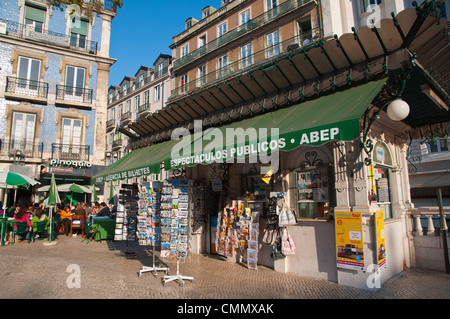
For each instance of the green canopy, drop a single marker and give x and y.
(328, 118)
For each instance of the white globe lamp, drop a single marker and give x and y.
(398, 110)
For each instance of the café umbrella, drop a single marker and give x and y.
(13, 179)
(53, 200)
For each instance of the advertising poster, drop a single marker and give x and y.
(381, 244)
(349, 240)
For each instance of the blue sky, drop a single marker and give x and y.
(143, 29)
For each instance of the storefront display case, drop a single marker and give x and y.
(314, 186)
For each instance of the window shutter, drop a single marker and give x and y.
(79, 27)
(35, 14)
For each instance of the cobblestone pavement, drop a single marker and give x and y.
(35, 270)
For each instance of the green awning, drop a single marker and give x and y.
(329, 118)
(140, 162)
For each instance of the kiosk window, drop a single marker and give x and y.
(381, 178)
(313, 193)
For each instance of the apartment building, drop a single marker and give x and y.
(314, 83)
(54, 69)
(135, 98)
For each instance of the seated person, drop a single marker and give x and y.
(40, 217)
(66, 219)
(104, 211)
(21, 215)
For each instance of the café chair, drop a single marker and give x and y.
(90, 232)
(40, 230)
(21, 229)
(77, 223)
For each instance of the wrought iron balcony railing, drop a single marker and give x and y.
(28, 32)
(24, 87)
(117, 144)
(15, 149)
(248, 62)
(71, 152)
(74, 94)
(250, 25)
(110, 123)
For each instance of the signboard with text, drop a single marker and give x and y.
(381, 242)
(349, 240)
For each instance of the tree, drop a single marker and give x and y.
(86, 7)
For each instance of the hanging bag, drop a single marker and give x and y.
(272, 216)
(270, 235)
(286, 216)
(287, 243)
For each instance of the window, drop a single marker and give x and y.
(202, 74)
(125, 88)
(71, 135)
(146, 97)
(222, 29)
(141, 79)
(380, 178)
(273, 44)
(246, 55)
(271, 4)
(183, 83)
(34, 18)
(23, 129)
(157, 95)
(202, 41)
(244, 17)
(367, 4)
(439, 145)
(120, 110)
(160, 69)
(313, 193)
(221, 66)
(78, 32)
(29, 73)
(137, 102)
(305, 31)
(75, 80)
(128, 106)
(112, 114)
(184, 50)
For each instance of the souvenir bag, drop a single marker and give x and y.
(286, 216)
(287, 243)
(272, 216)
(270, 235)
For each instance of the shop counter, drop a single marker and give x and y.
(105, 227)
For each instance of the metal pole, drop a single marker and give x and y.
(443, 230)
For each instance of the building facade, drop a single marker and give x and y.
(311, 82)
(54, 71)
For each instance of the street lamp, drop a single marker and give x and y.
(398, 110)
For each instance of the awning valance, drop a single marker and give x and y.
(328, 118)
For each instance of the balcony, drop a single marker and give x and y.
(125, 118)
(110, 124)
(117, 145)
(22, 31)
(143, 109)
(250, 62)
(23, 89)
(18, 149)
(68, 152)
(241, 30)
(73, 96)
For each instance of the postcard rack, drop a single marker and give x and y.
(175, 226)
(149, 218)
(126, 219)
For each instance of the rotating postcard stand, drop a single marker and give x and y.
(175, 226)
(149, 222)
